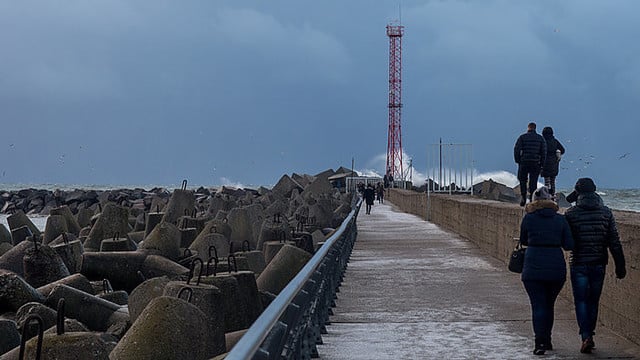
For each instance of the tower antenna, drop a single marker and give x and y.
(394, 141)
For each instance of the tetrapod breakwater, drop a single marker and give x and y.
(134, 273)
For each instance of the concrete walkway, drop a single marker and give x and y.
(414, 291)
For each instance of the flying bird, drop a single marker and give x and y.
(624, 156)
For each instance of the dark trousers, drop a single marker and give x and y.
(587, 281)
(542, 295)
(528, 172)
(550, 183)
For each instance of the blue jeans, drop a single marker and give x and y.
(542, 295)
(587, 281)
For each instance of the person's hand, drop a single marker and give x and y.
(621, 272)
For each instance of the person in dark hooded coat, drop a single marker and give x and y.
(594, 230)
(551, 165)
(545, 233)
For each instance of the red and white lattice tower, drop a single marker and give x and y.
(394, 144)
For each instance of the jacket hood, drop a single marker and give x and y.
(542, 205)
(590, 200)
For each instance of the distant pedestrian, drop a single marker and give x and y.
(380, 193)
(550, 169)
(385, 180)
(594, 231)
(529, 153)
(369, 195)
(545, 233)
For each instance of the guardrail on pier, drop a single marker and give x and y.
(291, 326)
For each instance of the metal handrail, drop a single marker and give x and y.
(249, 345)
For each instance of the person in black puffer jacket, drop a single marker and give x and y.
(594, 230)
(546, 233)
(529, 153)
(552, 163)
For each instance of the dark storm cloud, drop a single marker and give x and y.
(156, 91)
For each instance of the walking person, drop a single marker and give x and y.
(369, 196)
(594, 230)
(380, 193)
(529, 153)
(555, 150)
(545, 233)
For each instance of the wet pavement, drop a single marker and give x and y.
(415, 291)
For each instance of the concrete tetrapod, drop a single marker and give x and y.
(19, 219)
(235, 315)
(71, 254)
(72, 224)
(254, 258)
(182, 202)
(209, 299)
(67, 346)
(168, 328)
(5, 235)
(153, 219)
(4, 247)
(77, 281)
(204, 242)
(47, 314)
(20, 234)
(56, 226)
(15, 292)
(165, 239)
(12, 259)
(270, 249)
(123, 268)
(96, 313)
(249, 294)
(284, 267)
(113, 219)
(9, 335)
(43, 265)
(142, 295)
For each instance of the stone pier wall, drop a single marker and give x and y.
(492, 226)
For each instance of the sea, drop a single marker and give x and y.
(616, 199)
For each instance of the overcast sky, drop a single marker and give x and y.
(153, 92)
